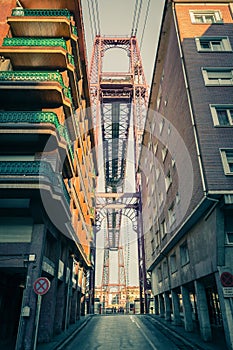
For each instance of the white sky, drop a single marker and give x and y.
(116, 19)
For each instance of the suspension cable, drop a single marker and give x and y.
(137, 22)
(145, 21)
(93, 15)
(97, 15)
(134, 16)
(91, 23)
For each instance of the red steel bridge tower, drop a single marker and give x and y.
(119, 100)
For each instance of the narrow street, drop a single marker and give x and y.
(114, 332)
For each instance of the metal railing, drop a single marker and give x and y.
(34, 42)
(41, 12)
(37, 117)
(74, 30)
(33, 76)
(34, 168)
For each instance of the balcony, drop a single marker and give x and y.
(39, 182)
(39, 22)
(32, 171)
(12, 121)
(36, 90)
(41, 53)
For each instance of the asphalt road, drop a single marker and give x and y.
(121, 332)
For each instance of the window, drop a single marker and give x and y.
(168, 180)
(177, 198)
(163, 229)
(205, 17)
(173, 263)
(156, 239)
(227, 161)
(155, 147)
(171, 215)
(160, 198)
(218, 76)
(222, 115)
(159, 97)
(157, 172)
(161, 125)
(184, 254)
(169, 129)
(164, 152)
(229, 238)
(213, 44)
(165, 269)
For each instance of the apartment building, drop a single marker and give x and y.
(47, 172)
(186, 167)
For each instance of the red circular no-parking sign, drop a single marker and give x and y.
(226, 279)
(41, 285)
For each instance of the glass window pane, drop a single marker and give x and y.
(199, 19)
(205, 44)
(230, 237)
(219, 74)
(216, 45)
(209, 18)
(222, 117)
(229, 155)
(231, 113)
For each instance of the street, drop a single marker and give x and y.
(118, 332)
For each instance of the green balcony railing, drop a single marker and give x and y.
(37, 117)
(35, 76)
(41, 12)
(29, 117)
(22, 41)
(71, 59)
(34, 168)
(74, 30)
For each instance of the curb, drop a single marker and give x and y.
(63, 343)
(174, 334)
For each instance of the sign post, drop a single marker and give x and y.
(40, 287)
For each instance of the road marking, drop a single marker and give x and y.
(143, 333)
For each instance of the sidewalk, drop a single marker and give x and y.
(190, 339)
(61, 339)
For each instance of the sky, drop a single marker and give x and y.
(115, 18)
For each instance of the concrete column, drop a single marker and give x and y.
(167, 307)
(156, 304)
(176, 308)
(226, 305)
(161, 306)
(26, 330)
(202, 310)
(188, 321)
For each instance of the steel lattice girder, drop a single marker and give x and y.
(115, 128)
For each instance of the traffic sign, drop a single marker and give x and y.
(228, 292)
(41, 285)
(226, 279)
